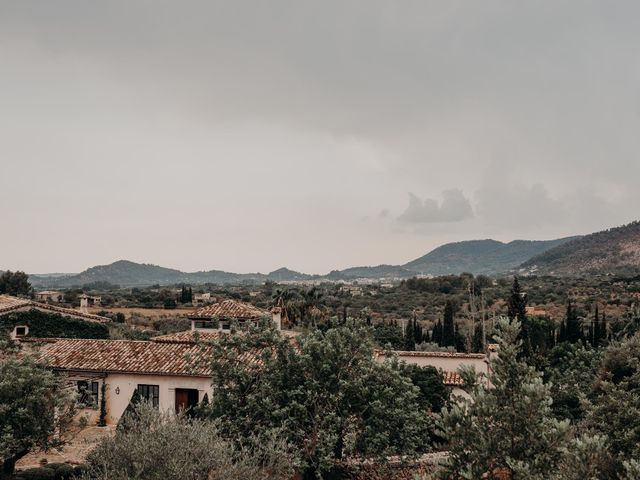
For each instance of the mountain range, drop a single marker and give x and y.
(607, 251)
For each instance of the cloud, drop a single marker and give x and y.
(453, 208)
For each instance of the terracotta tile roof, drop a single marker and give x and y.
(231, 309)
(9, 304)
(402, 353)
(189, 336)
(452, 379)
(127, 356)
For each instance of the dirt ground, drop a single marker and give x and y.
(74, 452)
(154, 313)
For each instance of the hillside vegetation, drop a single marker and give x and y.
(480, 256)
(607, 251)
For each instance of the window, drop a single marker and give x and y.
(21, 331)
(88, 392)
(150, 393)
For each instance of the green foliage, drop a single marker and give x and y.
(165, 446)
(47, 325)
(102, 421)
(130, 414)
(517, 303)
(434, 395)
(32, 406)
(39, 473)
(582, 459)
(14, 283)
(327, 392)
(123, 331)
(388, 333)
(615, 403)
(448, 327)
(509, 426)
(571, 372)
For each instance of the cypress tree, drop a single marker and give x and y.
(131, 412)
(517, 304)
(448, 327)
(409, 338)
(573, 329)
(436, 336)
(562, 337)
(603, 329)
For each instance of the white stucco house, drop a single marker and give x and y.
(172, 372)
(447, 363)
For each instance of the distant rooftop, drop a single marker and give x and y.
(10, 304)
(231, 309)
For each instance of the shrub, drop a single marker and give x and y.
(43, 325)
(165, 446)
(40, 473)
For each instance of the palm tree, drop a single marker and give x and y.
(284, 299)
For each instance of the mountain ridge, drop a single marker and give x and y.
(606, 251)
(475, 256)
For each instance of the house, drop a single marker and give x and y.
(353, 290)
(87, 301)
(49, 296)
(170, 375)
(221, 315)
(447, 363)
(202, 298)
(9, 304)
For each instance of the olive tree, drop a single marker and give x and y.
(165, 446)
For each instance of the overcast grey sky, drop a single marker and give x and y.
(250, 135)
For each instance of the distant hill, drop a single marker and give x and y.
(286, 275)
(380, 271)
(480, 256)
(607, 251)
(476, 256)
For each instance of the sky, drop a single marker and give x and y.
(247, 136)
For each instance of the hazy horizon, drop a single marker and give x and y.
(246, 136)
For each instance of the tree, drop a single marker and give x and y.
(15, 283)
(436, 337)
(573, 326)
(33, 406)
(448, 327)
(326, 389)
(517, 304)
(130, 413)
(388, 334)
(508, 427)
(614, 410)
(434, 395)
(165, 446)
(409, 337)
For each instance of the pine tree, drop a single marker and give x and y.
(448, 327)
(507, 430)
(190, 296)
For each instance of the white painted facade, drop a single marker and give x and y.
(120, 388)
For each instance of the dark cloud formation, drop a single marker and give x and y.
(453, 208)
(135, 128)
